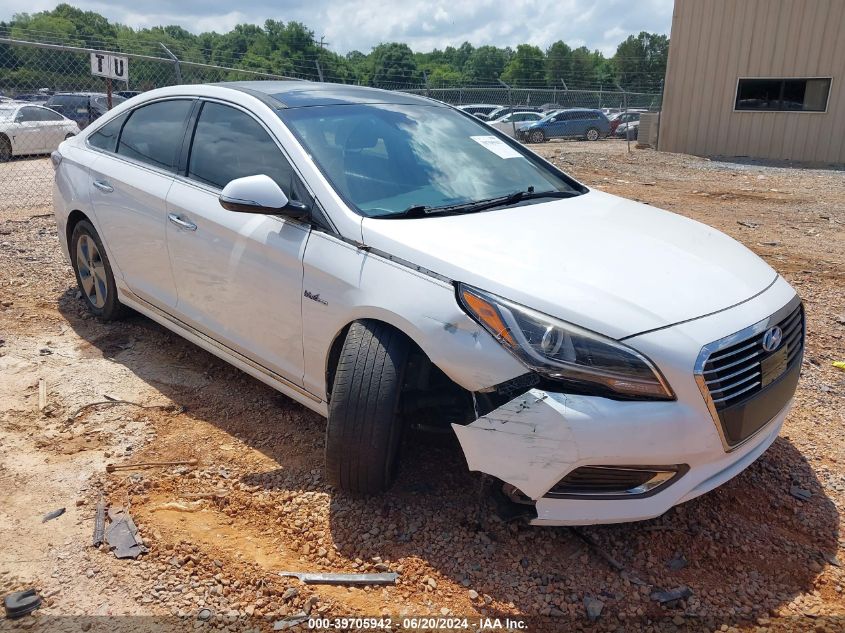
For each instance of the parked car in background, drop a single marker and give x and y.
(628, 130)
(128, 94)
(503, 110)
(624, 117)
(514, 121)
(591, 125)
(26, 128)
(480, 110)
(82, 107)
(390, 262)
(35, 97)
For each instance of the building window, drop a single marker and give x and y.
(782, 95)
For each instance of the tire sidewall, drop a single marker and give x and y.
(592, 130)
(5, 150)
(537, 136)
(112, 307)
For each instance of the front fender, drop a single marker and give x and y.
(342, 283)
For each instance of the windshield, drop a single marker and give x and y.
(384, 159)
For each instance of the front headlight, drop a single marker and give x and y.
(563, 352)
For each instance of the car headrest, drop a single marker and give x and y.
(363, 136)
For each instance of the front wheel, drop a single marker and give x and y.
(537, 136)
(592, 134)
(365, 428)
(94, 273)
(5, 150)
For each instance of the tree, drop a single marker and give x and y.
(558, 63)
(525, 68)
(486, 64)
(394, 66)
(641, 61)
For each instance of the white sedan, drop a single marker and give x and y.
(514, 121)
(390, 262)
(31, 129)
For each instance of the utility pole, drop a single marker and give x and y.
(321, 44)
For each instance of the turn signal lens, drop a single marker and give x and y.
(489, 315)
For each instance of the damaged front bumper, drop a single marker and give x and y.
(537, 439)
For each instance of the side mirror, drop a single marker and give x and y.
(260, 194)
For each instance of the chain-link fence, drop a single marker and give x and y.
(48, 92)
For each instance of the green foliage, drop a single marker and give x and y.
(526, 67)
(394, 66)
(641, 60)
(289, 48)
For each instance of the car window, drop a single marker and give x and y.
(49, 115)
(103, 102)
(153, 133)
(73, 104)
(385, 158)
(28, 114)
(248, 149)
(106, 137)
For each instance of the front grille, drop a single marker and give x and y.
(738, 372)
(734, 373)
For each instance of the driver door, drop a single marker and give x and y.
(238, 275)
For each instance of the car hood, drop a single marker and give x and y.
(602, 262)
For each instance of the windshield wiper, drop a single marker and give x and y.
(423, 211)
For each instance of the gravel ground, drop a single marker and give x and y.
(753, 556)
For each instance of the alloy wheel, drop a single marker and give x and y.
(92, 271)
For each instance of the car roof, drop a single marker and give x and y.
(78, 94)
(299, 94)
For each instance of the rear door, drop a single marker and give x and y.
(558, 126)
(238, 275)
(129, 184)
(52, 128)
(28, 136)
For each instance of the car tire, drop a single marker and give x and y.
(592, 134)
(5, 149)
(537, 136)
(94, 274)
(365, 426)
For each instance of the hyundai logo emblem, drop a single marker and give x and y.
(772, 338)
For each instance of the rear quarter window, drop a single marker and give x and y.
(106, 137)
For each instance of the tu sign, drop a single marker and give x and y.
(110, 66)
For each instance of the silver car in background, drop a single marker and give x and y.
(510, 123)
(31, 129)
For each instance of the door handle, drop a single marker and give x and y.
(182, 224)
(102, 185)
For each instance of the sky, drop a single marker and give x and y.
(422, 24)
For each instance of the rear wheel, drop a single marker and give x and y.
(537, 136)
(5, 150)
(592, 134)
(94, 273)
(365, 428)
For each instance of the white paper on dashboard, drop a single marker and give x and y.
(497, 146)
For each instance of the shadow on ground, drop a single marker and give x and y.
(744, 550)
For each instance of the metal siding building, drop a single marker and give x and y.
(717, 43)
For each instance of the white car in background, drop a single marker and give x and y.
(27, 129)
(509, 123)
(389, 261)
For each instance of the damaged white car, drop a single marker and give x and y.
(390, 261)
